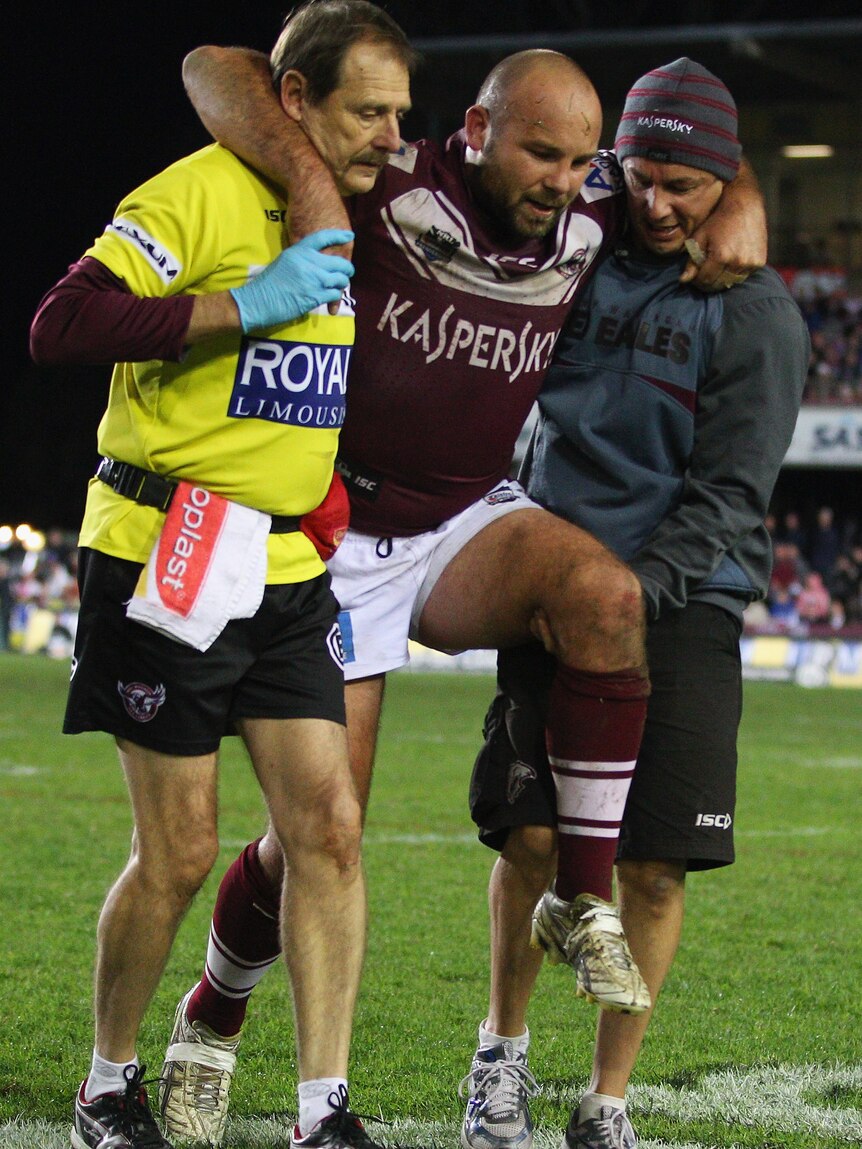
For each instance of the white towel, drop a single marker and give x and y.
(208, 565)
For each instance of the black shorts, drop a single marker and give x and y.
(682, 800)
(137, 684)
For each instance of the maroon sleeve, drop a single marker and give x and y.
(91, 317)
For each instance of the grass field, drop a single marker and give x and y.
(758, 1037)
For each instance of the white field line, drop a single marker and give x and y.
(248, 1133)
(21, 770)
(375, 838)
(774, 1099)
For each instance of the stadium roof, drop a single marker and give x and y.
(763, 62)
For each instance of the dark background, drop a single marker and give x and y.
(94, 104)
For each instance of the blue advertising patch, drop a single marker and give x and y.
(345, 624)
(300, 384)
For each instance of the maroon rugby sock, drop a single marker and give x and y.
(244, 942)
(595, 726)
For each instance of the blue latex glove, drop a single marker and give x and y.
(299, 279)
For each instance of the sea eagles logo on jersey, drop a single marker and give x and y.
(299, 384)
(575, 266)
(434, 234)
(437, 244)
(166, 266)
(141, 701)
(520, 774)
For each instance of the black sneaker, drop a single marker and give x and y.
(341, 1130)
(117, 1120)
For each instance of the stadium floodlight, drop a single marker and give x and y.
(34, 541)
(807, 151)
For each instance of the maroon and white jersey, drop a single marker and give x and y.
(454, 334)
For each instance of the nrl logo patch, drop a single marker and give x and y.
(520, 774)
(437, 245)
(504, 495)
(141, 701)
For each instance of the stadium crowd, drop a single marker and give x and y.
(816, 586)
(835, 373)
(39, 596)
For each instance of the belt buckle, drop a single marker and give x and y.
(128, 481)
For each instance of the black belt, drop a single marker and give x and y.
(151, 490)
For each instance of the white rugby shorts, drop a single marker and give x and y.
(382, 584)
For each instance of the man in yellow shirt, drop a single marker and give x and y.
(222, 423)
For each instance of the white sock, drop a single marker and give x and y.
(487, 1039)
(592, 1103)
(107, 1076)
(314, 1101)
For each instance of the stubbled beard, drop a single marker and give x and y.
(505, 219)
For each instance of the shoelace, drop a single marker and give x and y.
(611, 939)
(207, 1087)
(345, 1125)
(613, 1128)
(604, 916)
(135, 1116)
(513, 1080)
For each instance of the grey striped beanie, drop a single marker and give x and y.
(681, 114)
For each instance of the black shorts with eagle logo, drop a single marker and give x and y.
(138, 684)
(682, 800)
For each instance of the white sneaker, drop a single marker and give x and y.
(611, 1130)
(498, 1086)
(587, 935)
(195, 1082)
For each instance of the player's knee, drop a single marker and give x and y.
(655, 886)
(342, 839)
(532, 851)
(178, 867)
(617, 601)
(330, 831)
(599, 609)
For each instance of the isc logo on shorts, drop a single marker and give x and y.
(720, 821)
(300, 384)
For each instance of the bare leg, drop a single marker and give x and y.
(530, 573)
(316, 919)
(174, 846)
(364, 701)
(652, 904)
(520, 876)
(303, 769)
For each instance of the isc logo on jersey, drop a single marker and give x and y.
(299, 384)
